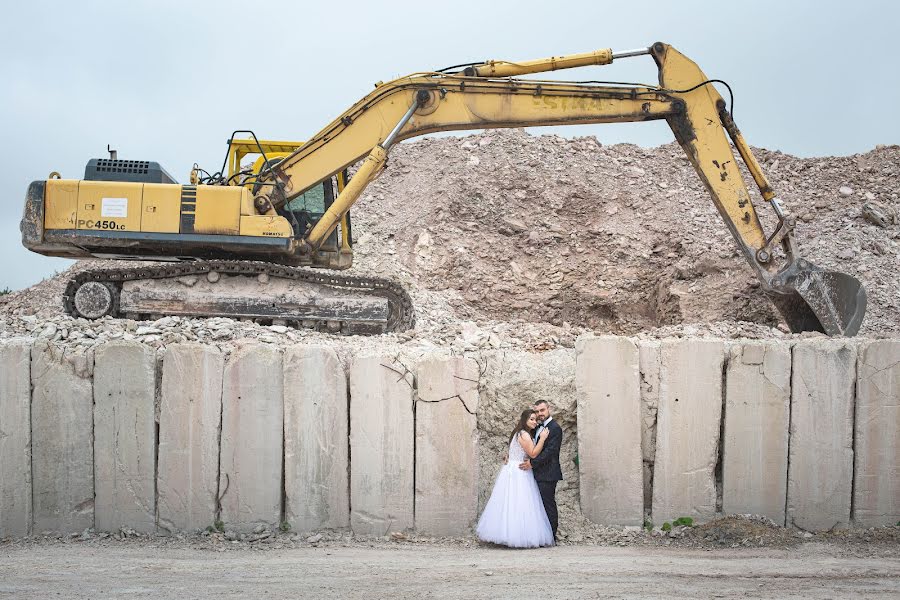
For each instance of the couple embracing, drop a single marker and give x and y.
(521, 512)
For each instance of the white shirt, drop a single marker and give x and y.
(542, 427)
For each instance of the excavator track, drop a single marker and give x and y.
(249, 290)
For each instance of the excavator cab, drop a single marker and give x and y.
(303, 211)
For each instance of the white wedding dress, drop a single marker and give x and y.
(514, 515)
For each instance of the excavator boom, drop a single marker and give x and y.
(485, 96)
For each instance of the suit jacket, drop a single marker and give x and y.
(546, 464)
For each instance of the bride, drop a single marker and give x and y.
(514, 515)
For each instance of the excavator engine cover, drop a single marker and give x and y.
(112, 169)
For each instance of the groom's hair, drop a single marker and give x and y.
(539, 402)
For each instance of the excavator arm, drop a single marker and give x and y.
(488, 95)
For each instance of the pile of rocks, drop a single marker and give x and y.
(619, 239)
(733, 531)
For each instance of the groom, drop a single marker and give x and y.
(547, 471)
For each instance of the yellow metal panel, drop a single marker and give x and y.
(266, 226)
(463, 103)
(218, 210)
(109, 205)
(503, 68)
(161, 212)
(60, 203)
(241, 148)
(710, 151)
(247, 207)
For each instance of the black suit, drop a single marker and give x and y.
(547, 471)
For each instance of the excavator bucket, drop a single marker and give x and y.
(813, 299)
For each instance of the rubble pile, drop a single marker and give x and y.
(618, 238)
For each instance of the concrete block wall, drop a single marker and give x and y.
(757, 413)
(381, 445)
(316, 430)
(15, 438)
(609, 426)
(804, 432)
(876, 490)
(190, 422)
(252, 437)
(446, 454)
(820, 462)
(125, 437)
(62, 448)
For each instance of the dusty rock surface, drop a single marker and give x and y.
(732, 531)
(719, 560)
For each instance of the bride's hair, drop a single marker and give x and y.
(522, 425)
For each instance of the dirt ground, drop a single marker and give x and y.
(813, 570)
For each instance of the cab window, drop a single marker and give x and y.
(311, 201)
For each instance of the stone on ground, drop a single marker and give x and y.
(15, 438)
(125, 437)
(190, 413)
(755, 448)
(821, 448)
(687, 433)
(876, 491)
(62, 407)
(381, 445)
(609, 430)
(446, 446)
(316, 460)
(251, 445)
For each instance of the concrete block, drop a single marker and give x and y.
(446, 458)
(125, 437)
(687, 432)
(62, 407)
(316, 439)
(648, 355)
(876, 491)
(252, 430)
(821, 447)
(189, 421)
(757, 413)
(609, 430)
(381, 445)
(15, 438)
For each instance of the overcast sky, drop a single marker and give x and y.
(170, 80)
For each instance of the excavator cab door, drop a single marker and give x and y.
(305, 210)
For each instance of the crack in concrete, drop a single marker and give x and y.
(876, 370)
(454, 396)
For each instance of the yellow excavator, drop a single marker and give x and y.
(263, 243)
